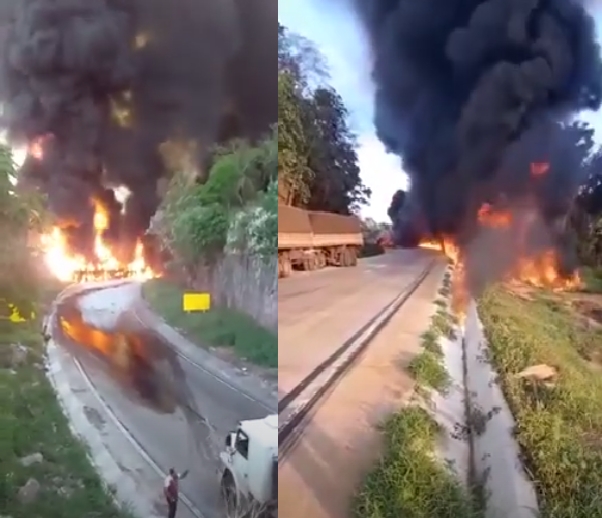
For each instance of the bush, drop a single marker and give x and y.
(256, 228)
(240, 194)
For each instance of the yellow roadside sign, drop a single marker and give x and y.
(196, 302)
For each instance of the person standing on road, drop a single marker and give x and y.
(171, 491)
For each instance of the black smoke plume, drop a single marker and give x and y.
(97, 87)
(470, 92)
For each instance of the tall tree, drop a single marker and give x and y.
(337, 185)
(294, 172)
(299, 57)
(318, 166)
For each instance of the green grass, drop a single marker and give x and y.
(559, 426)
(218, 327)
(31, 421)
(408, 481)
(592, 279)
(428, 372)
(430, 342)
(441, 323)
(441, 303)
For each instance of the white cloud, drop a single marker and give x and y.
(381, 171)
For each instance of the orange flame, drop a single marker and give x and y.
(539, 168)
(429, 244)
(489, 217)
(540, 270)
(444, 245)
(69, 267)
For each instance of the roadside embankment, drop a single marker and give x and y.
(221, 328)
(547, 350)
(44, 469)
(452, 451)
(425, 467)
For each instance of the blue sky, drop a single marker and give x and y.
(338, 35)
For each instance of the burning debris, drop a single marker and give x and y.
(478, 100)
(100, 91)
(71, 267)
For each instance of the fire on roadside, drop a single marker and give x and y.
(541, 270)
(70, 267)
(67, 266)
(431, 244)
(444, 245)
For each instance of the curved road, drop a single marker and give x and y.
(319, 311)
(169, 439)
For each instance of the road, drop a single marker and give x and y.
(340, 440)
(170, 439)
(319, 311)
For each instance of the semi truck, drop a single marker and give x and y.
(249, 469)
(310, 240)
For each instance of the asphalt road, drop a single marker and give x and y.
(318, 311)
(341, 440)
(180, 439)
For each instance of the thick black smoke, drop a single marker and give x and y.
(470, 92)
(102, 85)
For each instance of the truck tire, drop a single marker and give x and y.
(352, 256)
(345, 257)
(309, 263)
(321, 261)
(284, 266)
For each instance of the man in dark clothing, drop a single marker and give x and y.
(171, 491)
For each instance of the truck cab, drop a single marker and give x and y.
(249, 474)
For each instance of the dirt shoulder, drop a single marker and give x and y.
(44, 469)
(547, 349)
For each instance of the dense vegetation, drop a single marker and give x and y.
(234, 208)
(61, 481)
(21, 215)
(317, 159)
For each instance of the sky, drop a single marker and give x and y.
(338, 35)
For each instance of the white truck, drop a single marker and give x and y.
(249, 469)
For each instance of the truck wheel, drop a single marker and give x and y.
(309, 263)
(284, 266)
(352, 257)
(345, 260)
(228, 488)
(321, 261)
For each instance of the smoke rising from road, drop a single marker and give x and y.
(97, 87)
(468, 92)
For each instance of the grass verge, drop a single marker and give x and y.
(31, 421)
(559, 422)
(592, 279)
(410, 481)
(218, 327)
